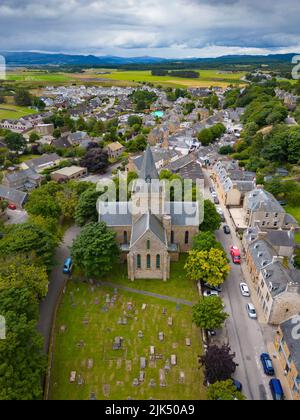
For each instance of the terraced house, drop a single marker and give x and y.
(158, 232)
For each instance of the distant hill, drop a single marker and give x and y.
(33, 59)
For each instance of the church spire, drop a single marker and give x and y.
(148, 170)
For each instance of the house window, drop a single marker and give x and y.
(125, 238)
(148, 245)
(187, 237)
(275, 224)
(158, 262)
(139, 262)
(148, 262)
(276, 215)
(267, 215)
(172, 237)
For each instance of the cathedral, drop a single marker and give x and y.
(151, 230)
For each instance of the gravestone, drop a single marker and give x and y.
(164, 311)
(140, 334)
(90, 364)
(170, 322)
(182, 378)
(106, 390)
(135, 382)
(93, 396)
(152, 383)
(63, 329)
(161, 336)
(143, 362)
(162, 378)
(173, 360)
(142, 377)
(188, 342)
(144, 307)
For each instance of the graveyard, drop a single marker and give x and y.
(111, 344)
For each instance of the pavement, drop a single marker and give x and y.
(246, 337)
(16, 217)
(56, 285)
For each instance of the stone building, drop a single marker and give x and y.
(151, 231)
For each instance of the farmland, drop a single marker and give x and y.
(13, 112)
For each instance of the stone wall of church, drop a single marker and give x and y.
(183, 236)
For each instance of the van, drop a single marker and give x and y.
(276, 390)
(68, 266)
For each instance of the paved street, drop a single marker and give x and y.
(246, 337)
(57, 281)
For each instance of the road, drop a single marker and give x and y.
(245, 336)
(57, 281)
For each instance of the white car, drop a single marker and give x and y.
(245, 290)
(209, 293)
(251, 311)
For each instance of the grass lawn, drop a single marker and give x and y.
(294, 211)
(13, 112)
(178, 286)
(297, 238)
(39, 76)
(111, 373)
(207, 78)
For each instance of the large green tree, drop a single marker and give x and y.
(209, 313)
(205, 241)
(212, 220)
(224, 391)
(86, 209)
(95, 250)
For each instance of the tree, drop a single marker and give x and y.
(95, 250)
(205, 241)
(209, 313)
(41, 203)
(218, 363)
(212, 220)
(226, 150)
(28, 239)
(19, 272)
(67, 201)
(23, 97)
(33, 137)
(95, 160)
(134, 120)
(15, 141)
(205, 137)
(208, 266)
(86, 210)
(22, 361)
(224, 391)
(57, 133)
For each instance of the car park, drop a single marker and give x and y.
(226, 230)
(235, 255)
(245, 290)
(267, 364)
(251, 311)
(276, 390)
(209, 293)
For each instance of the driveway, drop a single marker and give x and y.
(57, 282)
(16, 217)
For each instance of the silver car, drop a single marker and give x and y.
(245, 290)
(251, 311)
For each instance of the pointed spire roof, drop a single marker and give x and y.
(148, 170)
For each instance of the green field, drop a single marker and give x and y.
(84, 344)
(13, 112)
(207, 78)
(294, 211)
(34, 76)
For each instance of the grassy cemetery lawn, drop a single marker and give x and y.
(91, 320)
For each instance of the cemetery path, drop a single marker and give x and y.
(56, 284)
(149, 294)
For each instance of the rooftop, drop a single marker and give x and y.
(290, 331)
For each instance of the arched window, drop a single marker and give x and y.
(187, 237)
(148, 261)
(158, 262)
(125, 238)
(139, 262)
(172, 237)
(148, 245)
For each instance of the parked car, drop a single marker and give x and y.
(227, 230)
(211, 189)
(276, 389)
(267, 364)
(238, 385)
(12, 207)
(68, 266)
(216, 200)
(211, 333)
(235, 255)
(215, 288)
(220, 211)
(251, 311)
(209, 293)
(214, 194)
(245, 290)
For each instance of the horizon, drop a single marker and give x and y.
(181, 30)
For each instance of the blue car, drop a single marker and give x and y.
(276, 390)
(267, 364)
(238, 385)
(68, 266)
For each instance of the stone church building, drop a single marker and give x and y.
(151, 231)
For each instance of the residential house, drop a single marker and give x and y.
(25, 180)
(277, 286)
(162, 158)
(13, 196)
(68, 174)
(115, 150)
(263, 210)
(287, 344)
(44, 162)
(187, 167)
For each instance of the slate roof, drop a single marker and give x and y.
(263, 200)
(292, 342)
(183, 214)
(181, 163)
(148, 222)
(13, 196)
(281, 238)
(115, 214)
(43, 160)
(148, 169)
(192, 171)
(22, 176)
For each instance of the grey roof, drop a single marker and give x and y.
(148, 170)
(290, 220)
(43, 160)
(62, 143)
(181, 162)
(22, 176)
(192, 171)
(148, 222)
(13, 196)
(263, 200)
(291, 339)
(277, 277)
(115, 213)
(281, 238)
(183, 213)
(262, 254)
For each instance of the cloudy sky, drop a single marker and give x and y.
(163, 28)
